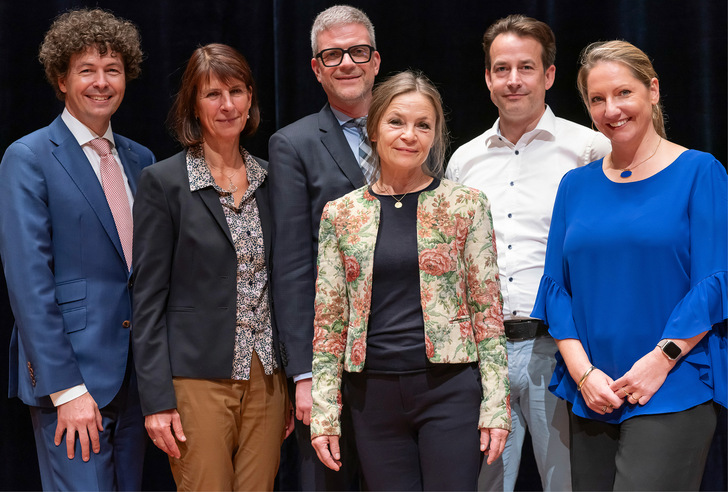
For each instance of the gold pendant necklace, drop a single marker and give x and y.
(398, 201)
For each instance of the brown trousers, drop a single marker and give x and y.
(234, 431)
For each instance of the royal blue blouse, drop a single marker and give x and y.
(628, 264)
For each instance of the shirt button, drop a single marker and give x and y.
(515, 313)
(517, 152)
(512, 183)
(510, 216)
(247, 232)
(510, 246)
(510, 279)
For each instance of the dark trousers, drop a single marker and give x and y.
(118, 466)
(417, 431)
(648, 452)
(313, 474)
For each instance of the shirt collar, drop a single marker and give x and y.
(341, 117)
(546, 128)
(200, 177)
(81, 132)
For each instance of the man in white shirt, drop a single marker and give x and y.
(66, 193)
(518, 164)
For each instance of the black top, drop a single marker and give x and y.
(396, 332)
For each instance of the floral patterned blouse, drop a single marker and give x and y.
(253, 330)
(459, 288)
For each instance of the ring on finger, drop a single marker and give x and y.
(604, 409)
(628, 395)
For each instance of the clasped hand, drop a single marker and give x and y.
(636, 386)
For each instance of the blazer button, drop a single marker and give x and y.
(126, 323)
(130, 284)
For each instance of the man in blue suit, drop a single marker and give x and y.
(65, 239)
(312, 161)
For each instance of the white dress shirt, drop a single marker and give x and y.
(520, 182)
(83, 136)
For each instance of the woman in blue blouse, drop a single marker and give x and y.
(634, 289)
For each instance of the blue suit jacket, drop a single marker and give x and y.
(65, 270)
(310, 164)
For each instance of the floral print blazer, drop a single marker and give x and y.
(460, 295)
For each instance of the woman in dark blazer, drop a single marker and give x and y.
(205, 345)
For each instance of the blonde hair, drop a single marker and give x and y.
(628, 55)
(397, 85)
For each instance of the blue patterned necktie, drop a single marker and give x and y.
(366, 157)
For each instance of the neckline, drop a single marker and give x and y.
(433, 184)
(648, 178)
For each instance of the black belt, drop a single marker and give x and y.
(525, 329)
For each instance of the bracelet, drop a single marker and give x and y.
(583, 378)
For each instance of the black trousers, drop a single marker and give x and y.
(648, 452)
(313, 475)
(417, 431)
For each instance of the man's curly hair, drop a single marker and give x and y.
(74, 31)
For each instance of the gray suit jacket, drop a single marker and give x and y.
(310, 164)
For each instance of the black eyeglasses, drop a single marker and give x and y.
(332, 57)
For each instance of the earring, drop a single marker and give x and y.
(248, 117)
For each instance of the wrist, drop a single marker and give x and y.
(670, 349)
(584, 377)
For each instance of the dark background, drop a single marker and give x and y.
(686, 40)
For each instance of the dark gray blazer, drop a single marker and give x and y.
(184, 282)
(311, 164)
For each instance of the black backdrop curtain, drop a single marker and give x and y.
(686, 40)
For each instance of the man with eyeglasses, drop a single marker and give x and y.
(315, 160)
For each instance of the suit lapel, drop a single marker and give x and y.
(335, 142)
(261, 200)
(129, 160)
(212, 201)
(70, 155)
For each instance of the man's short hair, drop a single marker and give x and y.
(77, 30)
(522, 26)
(336, 16)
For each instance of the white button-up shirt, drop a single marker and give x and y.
(520, 182)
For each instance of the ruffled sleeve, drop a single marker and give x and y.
(706, 303)
(553, 301)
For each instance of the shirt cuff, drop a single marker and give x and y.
(64, 396)
(305, 375)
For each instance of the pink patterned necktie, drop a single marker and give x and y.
(113, 184)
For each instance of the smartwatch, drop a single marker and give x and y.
(671, 350)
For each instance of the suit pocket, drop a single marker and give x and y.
(180, 309)
(74, 319)
(69, 296)
(66, 292)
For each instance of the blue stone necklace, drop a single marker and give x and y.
(628, 171)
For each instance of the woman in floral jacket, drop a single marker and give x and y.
(409, 326)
